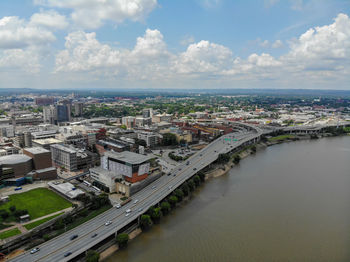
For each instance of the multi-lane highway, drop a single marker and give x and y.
(95, 230)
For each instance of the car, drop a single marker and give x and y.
(67, 254)
(174, 175)
(169, 174)
(187, 163)
(73, 237)
(108, 223)
(140, 209)
(34, 250)
(118, 206)
(200, 154)
(153, 187)
(94, 235)
(194, 169)
(180, 169)
(127, 214)
(18, 188)
(128, 210)
(170, 187)
(136, 201)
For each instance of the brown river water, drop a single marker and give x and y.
(289, 202)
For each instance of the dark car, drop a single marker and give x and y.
(94, 235)
(194, 169)
(73, 237)
(67, 254)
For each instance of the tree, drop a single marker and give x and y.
(236, 159)
(156, 215)
(201, 176)
(191, 185)
(169, 139)
(179, 194)
(4, 214)
(196, 180)
(123, 127)
(145, 221)
(12, 208)
(58, 224)
(173, 200)
(92, 256)
(223, 158)
(122, 240)
(165, 207)
(185, 189)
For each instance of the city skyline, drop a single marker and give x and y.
(184, 44)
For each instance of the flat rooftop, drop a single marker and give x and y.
(36, 150)
(64, 148)
(128, 157)
(47, 141)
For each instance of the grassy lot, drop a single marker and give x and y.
(282, 137)
(41, 221)
(10, 233)
(39, 202)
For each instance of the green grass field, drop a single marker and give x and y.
(39, 202)
(10, 233)
(41, 221)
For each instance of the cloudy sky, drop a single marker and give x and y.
(175, 44)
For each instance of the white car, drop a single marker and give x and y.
(108, 223)
(136, 201)
(127, 214)
(34, 250)
(128, 211)
(118, 206)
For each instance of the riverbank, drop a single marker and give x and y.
(114, 248)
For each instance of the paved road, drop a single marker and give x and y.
(55, 249)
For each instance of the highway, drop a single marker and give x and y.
(94, 231)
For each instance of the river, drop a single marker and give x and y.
(288, 202)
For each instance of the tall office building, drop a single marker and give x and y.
(23, 140)
(147, 112)
(57, 114)
(49, 113)
(78, 109)
(63, 113)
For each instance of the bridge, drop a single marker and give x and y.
(95, 231)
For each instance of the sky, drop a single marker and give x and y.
(168, 44)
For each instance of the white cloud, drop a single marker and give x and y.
(187, 40)
(204, 57)
(50, 19)
(17, 33)
(319, 56)
(265, 43)
(209, 4)
(27, 60)
(93, 13)
(322, 47)
(83, 52)
(277, 44)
